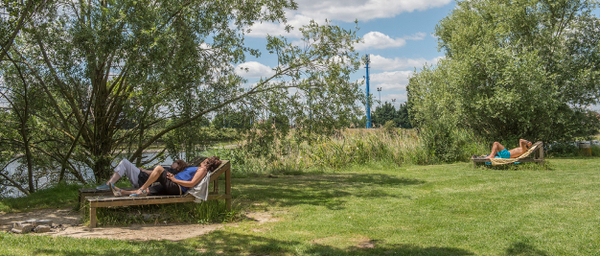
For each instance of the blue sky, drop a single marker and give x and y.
(397, 34)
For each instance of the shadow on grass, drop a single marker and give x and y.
(522, 248)
(137, 248)
(322, 190)
(222, 242)
(547, 166)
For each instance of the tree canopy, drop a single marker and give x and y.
(387, 112)
(116, 76)
(518, 68)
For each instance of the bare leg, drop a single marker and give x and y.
(114, 178)
(497, 147)
(151, 179)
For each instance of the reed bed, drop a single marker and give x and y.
(354, 147)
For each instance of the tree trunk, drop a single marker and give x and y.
(102, 168)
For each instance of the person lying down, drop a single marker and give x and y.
(171, 184)
(499, 151)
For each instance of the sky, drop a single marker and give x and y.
(398, 36)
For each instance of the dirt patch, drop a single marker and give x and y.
(59, 216)
(261, 217)
(69, 225)
(366, 244)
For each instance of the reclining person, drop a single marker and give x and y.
(172, 184)
(138, 175)
(500, 151)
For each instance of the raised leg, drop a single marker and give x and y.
(497, 147)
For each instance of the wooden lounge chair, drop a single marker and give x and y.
(107, 201)
(534, 154)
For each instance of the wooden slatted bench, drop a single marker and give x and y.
(537, 156)
(88, 192)
(108, 201)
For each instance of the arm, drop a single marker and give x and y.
(525, 144)
(188, 184)
(144, 170)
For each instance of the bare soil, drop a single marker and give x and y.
(67, 222)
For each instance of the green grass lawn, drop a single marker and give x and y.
(381, 209)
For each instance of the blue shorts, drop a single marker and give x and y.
(503, 154)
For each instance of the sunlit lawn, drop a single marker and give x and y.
(382, 209)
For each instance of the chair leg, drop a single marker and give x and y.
(92, 217)
(228, 189)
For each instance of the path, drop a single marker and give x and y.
(70, 226)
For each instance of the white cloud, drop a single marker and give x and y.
(255, 70)
(378, 40)
(276, 29)
(363, 10)
(391, 81)
(379, 62)
(342, 10)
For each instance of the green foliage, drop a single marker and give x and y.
(387, 112)
(356, 146)
(446, 144)
(236, 120)
(16, 14)
(382, 114)
(192, 141)
(569, 149)
(513, 70)
(115, 77)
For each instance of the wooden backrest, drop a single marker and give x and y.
(225, 166)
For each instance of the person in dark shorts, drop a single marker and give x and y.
(172, 184)
(138, 175)
(501, 152)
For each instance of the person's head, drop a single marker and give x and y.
(211, 163)
(179, 165)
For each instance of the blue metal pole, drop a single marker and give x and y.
(368, 103)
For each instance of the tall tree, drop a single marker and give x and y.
(383, 113)
(519, 68)
(104, 65)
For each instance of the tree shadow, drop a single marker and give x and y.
(137, 248)
(522, 248)
(322, 190)
(222, 242)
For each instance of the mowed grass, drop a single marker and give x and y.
(382, 209)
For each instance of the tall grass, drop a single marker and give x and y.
(355, 146)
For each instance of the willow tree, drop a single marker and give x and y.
(519, 68)
(123, 74)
